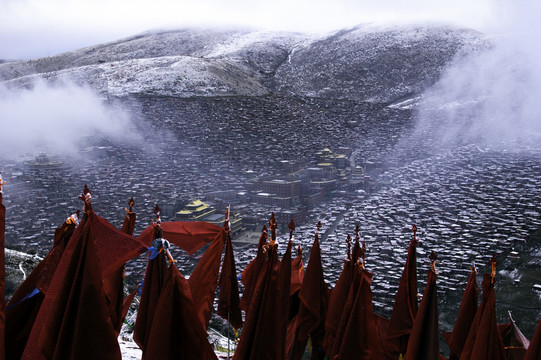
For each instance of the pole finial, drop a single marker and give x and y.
(493, 262)
(129, 209)
(273, 224)
(291, 227)
(2, 182)
(86, 196)
(433, 257)
(348, 242)
(227, 222)
(157, 212)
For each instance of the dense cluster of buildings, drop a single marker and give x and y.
(264, 155)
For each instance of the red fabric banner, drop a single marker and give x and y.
(204, 278)
(251, 273)
(314, 297)
(466, 314)
(176, 332)
(74, 320)
(337, 301)
(265, 327)
(424, 340)
(188, 235)
(514, 341)
(22, 312)
(114, 284)
(357, 335)
(405, 307)
(114, 247)
(129, 223)
(297, 273)
(283, 289)
(229, 301)
(484, 340)
(152, 287)
(534, 350)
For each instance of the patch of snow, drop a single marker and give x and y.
(22, 270)
(129, 349)
(239, 42)
(22, 255)
(407, 104)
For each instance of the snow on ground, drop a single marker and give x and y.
(130, 350)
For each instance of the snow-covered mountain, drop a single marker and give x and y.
(365, 63)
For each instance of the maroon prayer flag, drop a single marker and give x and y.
(152, 286)
(27, 299)
(484, 340)
(74, 318)
(251, 272)
(314, 297)
(514, 341)
(228, 301)
(466, 314)
(265, 327)
(176, 331)
(337, 301)
(188, 235)
(405, 306)
(114, 284)
(204, 278)
(129, 220)
(357, 334)
(424, 340)
(297, 272)
(534, 350)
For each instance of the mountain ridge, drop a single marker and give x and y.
(364, 63)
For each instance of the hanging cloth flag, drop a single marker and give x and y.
(176, 331)
(357, 335)
(228, 300)
(265, 327)
(297, 266)
(128, 224)
(534, 350)
(484, 340)
(466, 314)
(114, 284)
(27, 299)
(314, 297)
(74, 319)
(251, 272)
(152, 286)
(297, 278)
(188, 235)
(514, 341)
(424, 340)
(204, 278)
(337, 301)
(405, 305)
(297, 272)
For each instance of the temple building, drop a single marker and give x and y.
(198, 210)
(43, 162)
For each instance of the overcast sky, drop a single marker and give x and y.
(37, 28)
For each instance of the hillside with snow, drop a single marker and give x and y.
(365, 63)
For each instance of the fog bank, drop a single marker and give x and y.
(58, 119)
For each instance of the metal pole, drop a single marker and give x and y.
(228, 338)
